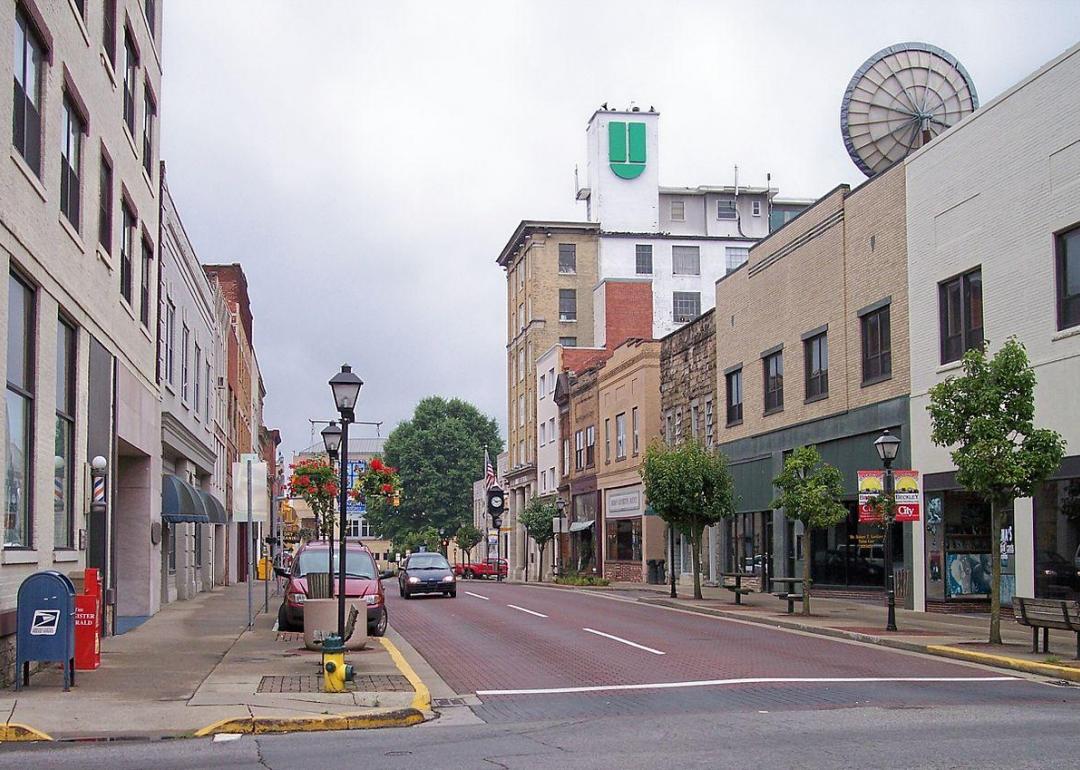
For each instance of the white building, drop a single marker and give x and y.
(993, 229)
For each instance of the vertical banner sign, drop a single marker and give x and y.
(354, 508)
(906, 490)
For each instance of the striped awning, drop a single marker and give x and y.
(181, 502)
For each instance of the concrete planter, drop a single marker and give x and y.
(322, 614)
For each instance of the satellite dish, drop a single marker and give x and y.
(901, 98)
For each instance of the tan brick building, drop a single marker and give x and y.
(812, 348)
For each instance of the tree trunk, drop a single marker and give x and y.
(996, 511)
(806, 570)
(695, 558)
(540, 568)
(526, 559)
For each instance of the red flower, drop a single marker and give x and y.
(331, 489)
(387, 488)
(376, 464)
(313, 490)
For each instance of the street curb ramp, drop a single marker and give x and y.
(13, 732)
(405, 717)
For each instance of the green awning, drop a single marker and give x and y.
(214, 509)
(181, 502)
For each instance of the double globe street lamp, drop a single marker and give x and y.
(345, 387)
(888, 446)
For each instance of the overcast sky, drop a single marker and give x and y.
(366, 162)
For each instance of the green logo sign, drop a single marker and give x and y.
(626, 148)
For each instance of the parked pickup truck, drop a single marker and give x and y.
(481, 569)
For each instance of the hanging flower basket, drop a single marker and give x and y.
(379, 482)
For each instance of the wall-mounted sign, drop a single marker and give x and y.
(626, 148)
(906, 491)
(623, 503)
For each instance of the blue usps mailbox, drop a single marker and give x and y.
(46, 631)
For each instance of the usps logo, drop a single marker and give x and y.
(45, 623)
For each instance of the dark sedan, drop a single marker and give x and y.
(426, 573)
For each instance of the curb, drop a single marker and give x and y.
(15, 732)
(422, 699)
(265, 725)
(1003, 661)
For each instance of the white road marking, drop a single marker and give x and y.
(522, 609)
(624, 641)
(478, 596)
(761, 680)
(227, 737)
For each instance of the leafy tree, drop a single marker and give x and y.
(468, 537)
(809, 491)
(438, 454)
(987, 416)
(428, 537)
(536, 519)
(691, 489)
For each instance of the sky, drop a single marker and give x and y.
(366, 162)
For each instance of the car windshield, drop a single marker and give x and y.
(428, 561)
(357, 563)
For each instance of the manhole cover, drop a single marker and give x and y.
(446, 702)
(362, 683)
(290, 636)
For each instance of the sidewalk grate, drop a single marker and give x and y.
(447, 702)
(362, 683)
(290, 636)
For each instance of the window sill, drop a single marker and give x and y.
(568, 272)
(774, 410)
(28, 172)
(952, 366)
(733, 423)
(146, 333)
(814, 399)
(110, 70)
(20, 556)
(149, 182)
(130, 139)
(80, 21)
(66, 555)
(568, 320)
(72, 233)
(876, 380)
(127, 308)
(104, 257)
(1064, 334)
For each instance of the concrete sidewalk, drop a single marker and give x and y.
(963, 637)
(194, 668)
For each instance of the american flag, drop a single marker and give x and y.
(489, 471)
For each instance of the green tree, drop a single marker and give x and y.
(467, 538)
(428, 537)
(987, 416)
(690, 488)
(809, 491)
(536, 519)
(439, 453)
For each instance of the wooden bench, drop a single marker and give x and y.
(736, 589)
(789, 596)
(1047, 614)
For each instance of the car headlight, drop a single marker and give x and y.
(371, 599)
(296, 598)
(448, 579)
(414, 580)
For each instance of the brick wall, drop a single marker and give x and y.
(688, 375)
(624, 571)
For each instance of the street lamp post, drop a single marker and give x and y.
(346, 389)
(331, 436)
(560, 506)
(887, 447)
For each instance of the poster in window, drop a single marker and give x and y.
(968, 573)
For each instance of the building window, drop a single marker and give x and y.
(144, 287)
(105, 211)
(685, 260)
(543, 433)
(773, 368)
(590, 446)
(198, 545)
(579, 451)
(20, 414)
(127, 247)
(634, 429)
(170, 340)
(876, 346)
(568, 342)
(521, 364)
(669, 429)
(1068, 278)
(567, 304)
(108, 31)
(566, 454)
(755, 208)
(551, 381)
(149, 113)
(26, 119)
(960, 311)
(197, 400)
(678, 211)
(131, 74)
(678, 427)
(521, 411)
(816, 356)
(149, 7)
(709, 424)
(735, 257)
(620, 436)
(725, 208)
(643, 259)
(567, 258)
(734, 396)
(207, 412)
(542, 390)
(521, 316)
(624, 539)
(173, 535)
(686, 306)
(71, 162)
(694, 420)
(185, 344)
(64, 466)
(607, 441)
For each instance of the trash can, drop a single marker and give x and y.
(661, 575)
(651, 572)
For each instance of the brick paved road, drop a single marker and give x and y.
(479, 645)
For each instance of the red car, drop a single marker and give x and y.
(362, 581)
(481, 569)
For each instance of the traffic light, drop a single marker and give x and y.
(496, 505)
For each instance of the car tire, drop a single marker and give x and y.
(283, 623)
(451, 594)
(468, 574)
(378, 628)
(405, 594)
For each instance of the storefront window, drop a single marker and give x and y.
(1057, 540)
(624, 539)
(853, 553)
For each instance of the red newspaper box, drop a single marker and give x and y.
(88, 623)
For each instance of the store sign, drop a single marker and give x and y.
(622, 504)
(906, 491)
(626, 148)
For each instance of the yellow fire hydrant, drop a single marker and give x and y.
(335, 671)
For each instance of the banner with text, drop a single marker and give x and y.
(906, 491)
